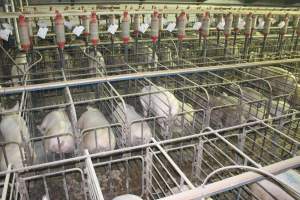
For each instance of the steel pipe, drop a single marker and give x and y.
(78, 82)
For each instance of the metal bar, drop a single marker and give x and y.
(236, 181)
(15, 24)
(6, 183)
(91, 172)
(78, 82)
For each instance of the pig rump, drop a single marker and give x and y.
(139, 133)
(59, 143)
(98, 139)
(57, 129)
(96, 132)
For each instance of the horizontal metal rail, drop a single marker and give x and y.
(87, 81)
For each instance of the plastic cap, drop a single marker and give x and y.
(21, 18)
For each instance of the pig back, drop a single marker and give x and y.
(161, 103)
(56, 122)
(92, 118)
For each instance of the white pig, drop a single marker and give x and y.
(105, 140)
(127, 197)
(15, 132)
(160, 104)
(13, 126)
(55, 123)
(137, 131)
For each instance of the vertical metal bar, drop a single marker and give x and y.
(61, 57)
(234, 42)
(73, 116)
(246, 47)
(218, 37)
(15, 25)
(204, 47)
(21, 5)
(126, 53)
(241, 143)
(6, 183)
(225, 46)
(199, 157)
(154, 53)
(263, 45)
(65, 187)
(94, 183)
(296, 42)
(13, 185)
(147, 176)
(200, 39)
